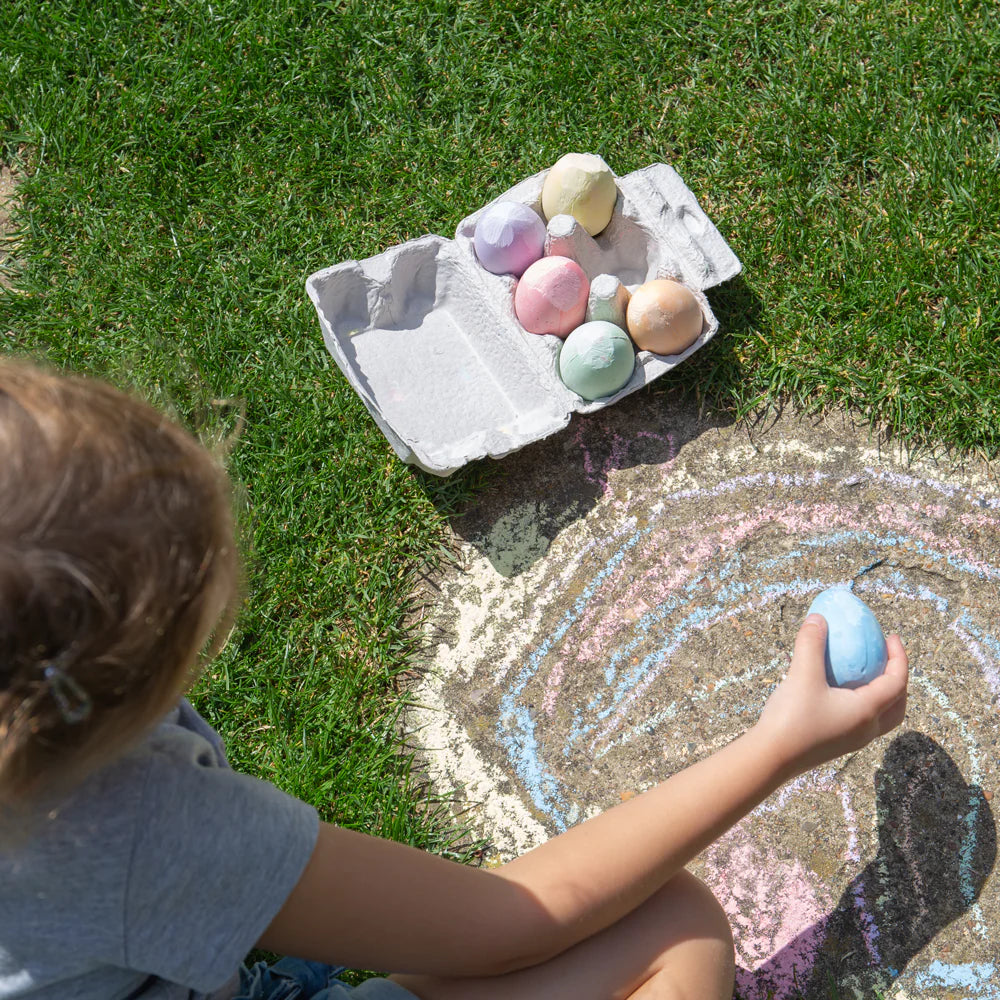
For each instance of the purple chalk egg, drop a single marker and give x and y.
(509, 237)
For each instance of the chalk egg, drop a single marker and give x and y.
(664, 317)
(509, 237)
(581, 185)
(596, 359)
(856, 652)
(551, 296)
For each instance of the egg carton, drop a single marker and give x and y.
(429, 340)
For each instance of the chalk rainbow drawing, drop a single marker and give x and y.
(687, 561)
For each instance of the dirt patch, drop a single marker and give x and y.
(8, 240)
(626, 598)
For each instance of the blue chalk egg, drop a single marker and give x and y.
(855, 647)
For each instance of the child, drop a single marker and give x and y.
(135, 864)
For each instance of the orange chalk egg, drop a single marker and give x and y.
(664, 317)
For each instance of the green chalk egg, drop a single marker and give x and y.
(596, 359)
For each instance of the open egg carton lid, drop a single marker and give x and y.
(429, 340)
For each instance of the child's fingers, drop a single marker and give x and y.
(898, 660)
(895, 680)
(886, 694)
(809, 654)
(891, 683)
(894, 714)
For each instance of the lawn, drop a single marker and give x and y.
(184, 166)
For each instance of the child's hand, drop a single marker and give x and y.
(808, 722)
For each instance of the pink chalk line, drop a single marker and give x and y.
(552, 688)
(598, 626)
(719, 535)
(781, 944)
(619, 452)
(700, 626)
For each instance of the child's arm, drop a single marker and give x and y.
(371, 903)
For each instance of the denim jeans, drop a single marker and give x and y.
(298, 979)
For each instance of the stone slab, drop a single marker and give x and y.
(623, 601)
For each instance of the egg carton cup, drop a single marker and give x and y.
(429, 340)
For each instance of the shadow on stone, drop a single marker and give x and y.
(524, 502)
(937, 847)
(552, 483)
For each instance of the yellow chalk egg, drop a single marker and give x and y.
(581, 185)
(663, 317)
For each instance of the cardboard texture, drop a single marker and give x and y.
(428, 337)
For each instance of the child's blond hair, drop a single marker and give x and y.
(117, 562)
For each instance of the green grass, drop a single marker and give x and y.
(187, 164)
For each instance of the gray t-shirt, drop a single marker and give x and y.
(154, 879)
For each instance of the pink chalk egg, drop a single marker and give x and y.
(551, 296)
(509, 236)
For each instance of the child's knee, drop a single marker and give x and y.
(701, 965)
(706, 917)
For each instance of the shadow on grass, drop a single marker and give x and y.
(937, 847)
(511, 510)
